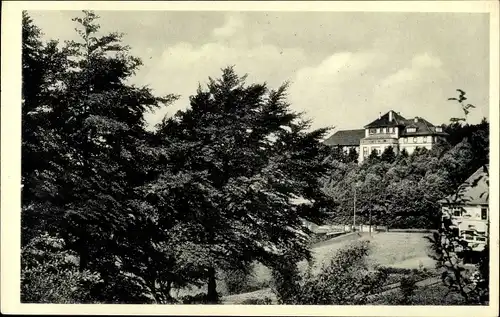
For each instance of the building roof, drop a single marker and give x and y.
(474, 191)
(383, 121)
(422, 126)
(345, 138)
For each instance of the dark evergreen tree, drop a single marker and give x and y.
(388, 155)
(242, 157)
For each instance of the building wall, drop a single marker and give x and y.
(368, 145)
(412, 142)
(470, 220)
(346, 149)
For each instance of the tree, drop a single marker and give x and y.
(100, 151)
(373, 157)
(352, 156)
(242, 156)
(450, 247)
(346, 280)
(388, 155)
(42, 65)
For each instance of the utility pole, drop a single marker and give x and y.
(370, 227)
(354, 211)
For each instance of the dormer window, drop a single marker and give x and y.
(410, 130)
(439, 129)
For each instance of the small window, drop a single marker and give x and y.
(378, 130)
(425, 139)
(457, 211)
(415, 140)
(484, 213)
(383, 130)
(439, 129)
(405, 140)
(372, 131)
(469, 235)
(411, 129)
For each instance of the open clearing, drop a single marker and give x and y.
(394, 249)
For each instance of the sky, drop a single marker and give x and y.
(344, 68)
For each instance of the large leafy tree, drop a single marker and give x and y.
(87, 121)
(238, 158)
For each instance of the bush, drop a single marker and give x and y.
(258, 301)
(408, 287)
(200, 298)
(49, 274)
(346, 280)
(241, 280)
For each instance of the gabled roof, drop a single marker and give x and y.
(423, 127)
(345, 138)
(474, 191)
(383, 121)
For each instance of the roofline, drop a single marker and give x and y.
(463, 204)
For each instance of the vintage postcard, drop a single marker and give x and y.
(248, 158)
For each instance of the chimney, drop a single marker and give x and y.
(390, 116)
(415, 120)
(380, 115)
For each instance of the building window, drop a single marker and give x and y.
(484, 213)
(378, 130)
(414, 139)
(365, 151)
(424, 139)
(457, 211)
(411, 129)
(372, 131)
(405, 140)
(468, 235)
(439, 129)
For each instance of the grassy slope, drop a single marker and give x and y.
(395, 249)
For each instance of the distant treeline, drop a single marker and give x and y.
(402, 191)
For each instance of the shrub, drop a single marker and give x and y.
(408, 287)
(49, 274)
(200, 298)
(241, 280)
(346, 280)
(258, 301)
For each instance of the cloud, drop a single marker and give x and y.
(193, 64)
(231, 26)
(335, 91)
(348, 89)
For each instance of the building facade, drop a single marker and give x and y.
(389, 130)
(393, 130)
(469, 212)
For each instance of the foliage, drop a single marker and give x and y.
(242, 280)
(50, 273)
(241, 156)
(257, 301)
(85, 151)
(408, 287)
(405, 192)
(450, 246)
(346, 280)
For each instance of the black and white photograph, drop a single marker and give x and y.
(258, 156)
